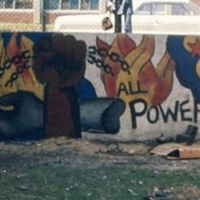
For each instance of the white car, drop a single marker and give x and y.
(150, 17)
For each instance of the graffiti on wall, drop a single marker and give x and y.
(15, 64)
(127, 72)
(44, 92)
(186, 52)
(59, 63)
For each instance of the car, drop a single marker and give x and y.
(177, 17)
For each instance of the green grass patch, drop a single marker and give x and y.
(77, 183)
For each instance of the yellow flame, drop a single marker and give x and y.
(19, 84)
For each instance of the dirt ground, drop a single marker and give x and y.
(92, 154)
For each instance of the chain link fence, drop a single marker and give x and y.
(40, 15)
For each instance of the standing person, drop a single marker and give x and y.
(124, 7)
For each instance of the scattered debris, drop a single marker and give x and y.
(187, 137)
(21, 187)
(132, 192)
(21, 175)
(158, 194)
(163, 139)
(113, 148)
(180, 146)
(148, 198)
(177, 151)
(123, 148)
(162, 193)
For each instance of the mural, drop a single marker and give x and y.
(23, 116)
(186, 52)
(59, 63)
(44, 92)
(127, 72)
(55, 85)
(131, 74)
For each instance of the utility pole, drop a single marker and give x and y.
(118, 18)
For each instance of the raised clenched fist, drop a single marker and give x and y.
(59, 64)
(59, 60)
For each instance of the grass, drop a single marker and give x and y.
(77, 183)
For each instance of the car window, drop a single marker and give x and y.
(162, 8)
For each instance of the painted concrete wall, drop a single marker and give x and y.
(105, 86)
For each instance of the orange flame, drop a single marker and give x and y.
(12, 50)
(121, 46)
(142, 79)
(19, 57)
